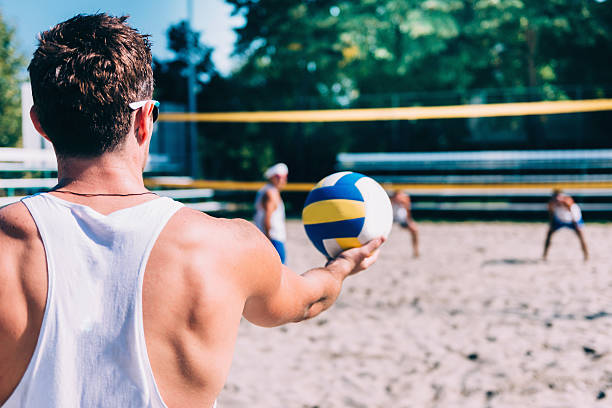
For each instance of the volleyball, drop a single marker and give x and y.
(346, 210)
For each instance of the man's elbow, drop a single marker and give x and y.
(267, 320)
(314, 309)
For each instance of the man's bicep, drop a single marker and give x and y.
(274, 294)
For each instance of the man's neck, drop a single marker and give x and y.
(109, 173)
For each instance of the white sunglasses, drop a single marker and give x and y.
(139, 104)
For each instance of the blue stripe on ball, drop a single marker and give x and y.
(350, 178)
(337, 229)
(346, 192)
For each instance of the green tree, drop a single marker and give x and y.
(376, 46)
(11, 64)
(292, 52)
(171, 75)
(316, 54)
(309, 54)
(233, 152)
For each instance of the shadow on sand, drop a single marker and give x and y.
(511, 261)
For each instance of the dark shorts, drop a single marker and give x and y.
(558, 224)
(280, 248)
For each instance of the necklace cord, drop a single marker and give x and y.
(101, 194)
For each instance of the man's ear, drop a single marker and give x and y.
(143, 123)
(36, 123)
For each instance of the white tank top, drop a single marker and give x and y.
(277, 219)
(565, 215)
(91, 349)
(400, 215)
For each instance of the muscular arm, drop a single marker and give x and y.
(267, 292)
(279, 295)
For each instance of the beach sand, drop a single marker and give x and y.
(477, 321)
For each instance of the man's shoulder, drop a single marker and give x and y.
(197, 219)
(16, 222)
(200, 242)
(196, 228)
(272, 193)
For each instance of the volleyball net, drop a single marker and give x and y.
(390, 114)
(466, 158)
(523, 145)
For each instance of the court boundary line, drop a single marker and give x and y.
(305, 187)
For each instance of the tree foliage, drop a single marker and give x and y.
(10, 99)
(171, 75)
(316, 54)
(378, 46)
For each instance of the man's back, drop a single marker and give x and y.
(202, 275)
(189, 342)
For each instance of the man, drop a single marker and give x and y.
(402, 214)
(109, 295)
(563, 212)
(270, 209)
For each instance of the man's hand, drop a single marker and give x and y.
(355, 260)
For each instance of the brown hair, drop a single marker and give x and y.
(84, 74)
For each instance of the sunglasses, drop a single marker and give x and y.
(140, 104)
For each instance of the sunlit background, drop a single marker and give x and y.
(242, 56)
(476, 108)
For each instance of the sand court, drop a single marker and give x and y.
(477, 321)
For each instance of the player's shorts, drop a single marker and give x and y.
(558, 224)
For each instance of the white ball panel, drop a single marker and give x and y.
(333, 178)
(379, 214)
(332, 247)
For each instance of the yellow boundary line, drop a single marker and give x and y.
(305, 187)
(410, 113)
(503, 186)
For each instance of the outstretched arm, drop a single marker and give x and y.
(280, 296)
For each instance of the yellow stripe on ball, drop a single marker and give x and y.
(333, 210)
(346, 243)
